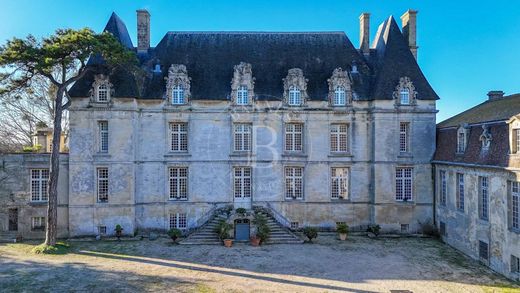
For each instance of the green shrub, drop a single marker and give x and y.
(174, 233)
(310, 233)
(222, 229)
(59, 248)
(241, 211)
(342, 228)
(118, 228)
(260, 220)
(263, 232)
(374, 229)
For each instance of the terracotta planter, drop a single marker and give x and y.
(255, 241)
(228, 242)
(343, 236)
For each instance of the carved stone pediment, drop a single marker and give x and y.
(242, 76)
(100, 80)
(340, 78)
(405, 84)
(295, 78)
(178, 76)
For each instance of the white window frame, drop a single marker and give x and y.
(404, 184)
(38, 223)
(178, 221)
(516, 141)
(242, 95)
(102, 93)
(340, 96)
(404, 137)
(339, 188)
(39, 185)
(404, 96)
(460, 200)
(103, 136)
(295, 96)
(339, 142)
(293, 135)
(178, 95)
(102, 180)
(178, 132)
(242, 137)
(443, 187)
(483, 183)
(294, 182)
(178, 183)
(515, 206)
(242, 181)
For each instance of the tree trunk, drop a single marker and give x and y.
(52, 211)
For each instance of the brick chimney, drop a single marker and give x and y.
(364, 33)
(495, 95)
(143, 31)
(409, 23)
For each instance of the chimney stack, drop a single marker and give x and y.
(364, 33)
(495, 95)
(143, 31)
(409, 23)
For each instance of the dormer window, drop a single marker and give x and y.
(405, 93)
(178, 95)
(178, 85)
(340, 89)
(101, 89)
(339, 96)
(102, 93)
(295, 96)
(242, 95)
(461, 139)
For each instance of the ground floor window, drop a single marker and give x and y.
(294, 182)
(483, 198)
(515, 206)
(515, 264)
(460, 192)
(443, 187)
(178, 178)
(483, 250)
(39, 178)
(403, 183)
(339, 181)
(178, 221)
(102, 184)
(102, 230)
(38, 223)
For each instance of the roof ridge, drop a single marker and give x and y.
(256, 32)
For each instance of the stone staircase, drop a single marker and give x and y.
(205, 235)
(7, 236)
(279, 234)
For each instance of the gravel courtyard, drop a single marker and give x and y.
(357, 265)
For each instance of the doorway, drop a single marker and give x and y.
(13, 219)
(242, 230)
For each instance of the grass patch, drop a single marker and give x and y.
(59, 248)
(501, 288)
(203, 288)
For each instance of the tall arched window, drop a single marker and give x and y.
(102, 93)
(178, 95)
(339, 96)
(295, 97)
(404, 96)
(242, 95)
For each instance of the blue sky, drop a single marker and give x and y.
(466, 48)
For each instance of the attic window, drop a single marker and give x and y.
(404, 97)
(405, 93)
(178, 85)
(242, 95)
(295, 87)
(101, 89)
(339, 96)
(295, 97)
(242, 84)
(178, 95)
(340, 90)
(102, 93)
(461, 139)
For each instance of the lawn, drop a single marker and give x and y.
(356, 265)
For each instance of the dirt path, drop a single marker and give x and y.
(357, 265)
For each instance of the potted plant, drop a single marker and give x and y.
(241, 211)
(174, 233)
(222, 229)
(255, 240)
(310, 233)
(373, 230)
(263, 233)
(119, 232)
(342, 230)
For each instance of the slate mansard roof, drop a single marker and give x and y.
(210, 57)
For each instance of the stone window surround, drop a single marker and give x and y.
(41, 180)
(179, 118)
(303, 138)
(462, 133)
(405, 83)
(349, 135)
(180, 220)
(178, 196)
(234, 133)
(170, 139)
(340, 78)
(408, 142)
(97, 170)
(295, 78)
(99, 80)
(239, 119)
(178, 76)
(460, 194)
(412, 187)
(242, 77)
(483, 197)
(251, 182)
(102, 130)
(348, 178)
(511, 201)
(303, 177)
(166, 185)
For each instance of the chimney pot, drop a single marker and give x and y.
(495, 95)
(364, 33)
(143, 30)
(409, 23)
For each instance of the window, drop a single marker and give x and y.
(39, 179)
(516, 141)
(102, 93)
(405, 228)
(102, 184)
(483, 250)
(242, 137)
(460, 192)
(339, 181)
(242, 182)
(103, 136)
(338, 138)
(178, 221)
(403, 184)
(443, 188)
(178, 137)
(178, 95)
(102, 230)
(38, 223)
(484, 197)
(404, 96)
(295, 96)
(461, 140)
(178, 183)
(294, 182)
(340, 96)
(293, 137)
(515, 264)
(515, 206)
(404, 129)
(242, 95)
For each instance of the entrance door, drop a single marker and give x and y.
(13, 219)
(242, 187)
(242, 230)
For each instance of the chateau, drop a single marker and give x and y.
(302, 124)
